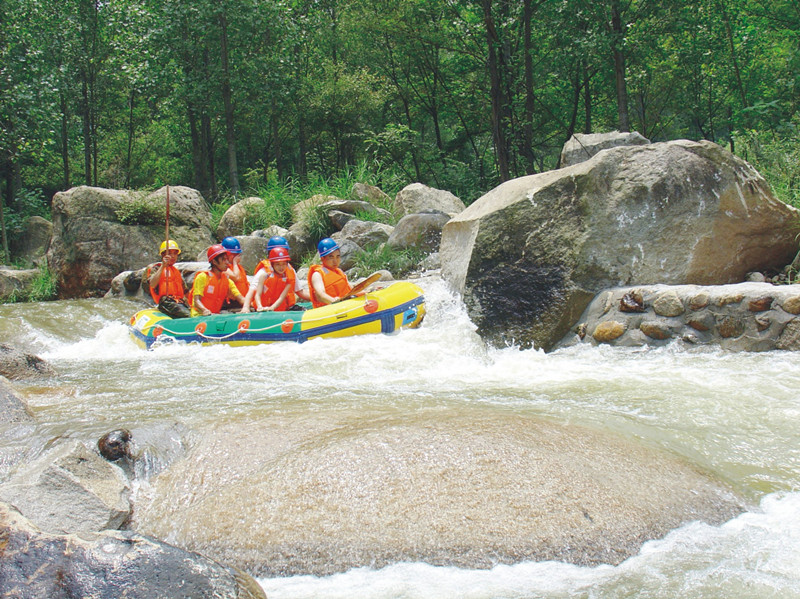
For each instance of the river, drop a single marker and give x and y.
(734, 416)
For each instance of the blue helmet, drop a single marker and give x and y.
(326, 246)
(277, 241)
(232, 245)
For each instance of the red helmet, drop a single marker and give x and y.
(279, 255)
(214, 251)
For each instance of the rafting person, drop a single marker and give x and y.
(273, 290)
(276, 241)
(236, 271)
(327, 283)
(212, 287)
(167, 287)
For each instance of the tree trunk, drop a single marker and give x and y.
(230, 135)
(65, 140)
(587, 100)
(130, 141)
(618, 32)
(530, 98)
(496, 93)
(87, 129)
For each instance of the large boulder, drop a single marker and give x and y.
(70, 489)
(91, 244)
(35, 564)
(468, 488)
(529, 256)
(30, 246)
(234, 221)
(421, 230)
(417, 197)
(364, 233)
(369, 193)
(582, 146)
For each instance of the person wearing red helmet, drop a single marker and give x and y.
(273, 290)
(212, 287)
(327, 283)
(277, 241)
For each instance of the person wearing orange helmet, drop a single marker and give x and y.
(274, 288)
(166, 284)
(212, 287)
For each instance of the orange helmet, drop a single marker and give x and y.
(279, 255)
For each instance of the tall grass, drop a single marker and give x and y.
(42, 288)
(776, 155)
(281, 196)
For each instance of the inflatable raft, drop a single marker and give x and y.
(400, 305)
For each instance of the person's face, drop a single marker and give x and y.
(279, 267)
(170, 257)
(333, 259)
(221, 261)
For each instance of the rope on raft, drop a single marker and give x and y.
(249, 330)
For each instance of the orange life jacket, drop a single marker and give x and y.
(335, 282)
(170, 282)
(274, 285)
(215, 291)
(241, 282)
(292, 296)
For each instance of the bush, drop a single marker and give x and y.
(141, 211)
(776, 155)
(43, 288)
(400, 263)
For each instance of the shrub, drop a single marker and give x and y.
(141, 211)
(43, 288)
(399, 262)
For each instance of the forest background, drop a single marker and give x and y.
(242, 97)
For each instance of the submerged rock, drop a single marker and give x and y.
(34, 565)
(469, 489)
(17, 364)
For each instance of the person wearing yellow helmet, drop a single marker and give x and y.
(167, 287)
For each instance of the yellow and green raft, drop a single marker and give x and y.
(400, 305)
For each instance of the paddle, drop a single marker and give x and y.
(364, 284)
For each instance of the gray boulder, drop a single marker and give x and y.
(364, 233)
(31, 245)
(582, 146)
(369, 193)
(35, 564)
(70, 489)
(17, 364)
(419, 198)
(422, 231)
(234, 221)
(16, 283)
(91, 245)
(530, 255)
(12, 407)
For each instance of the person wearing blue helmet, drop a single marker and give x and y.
(236, 271)
(327, 283)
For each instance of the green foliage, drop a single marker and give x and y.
(318, 224)
(43, 288)
(27, 203)
(399, 262)
(776, 155)
(141, 211)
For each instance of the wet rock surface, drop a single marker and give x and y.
(470, 489)
(37, 565)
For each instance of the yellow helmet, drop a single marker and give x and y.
(172, 246)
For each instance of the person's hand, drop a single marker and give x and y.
(335, 299)
(206, 312)
(244, 310)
